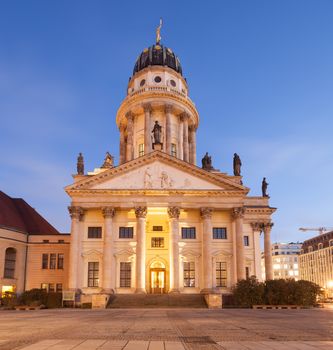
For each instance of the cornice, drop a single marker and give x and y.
(142, 96)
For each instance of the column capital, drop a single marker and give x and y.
(184, 116)
(257, 226)
(267, 226)
(76, 212)
(238, 213)
(206, 213)
(140, 212)
(168, 108)
(108, 212)
(147, 107)
(174, 212)
(130, 116)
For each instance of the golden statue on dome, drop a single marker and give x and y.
(158, 33)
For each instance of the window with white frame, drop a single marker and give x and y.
(141, 149)
(189, 274)
(125, 274)
(246, 241)
(221, 274)
(174, 150)
(93, 274)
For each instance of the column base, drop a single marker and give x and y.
(174, 291)
(207, 291)
(140, 291)
(107, 291)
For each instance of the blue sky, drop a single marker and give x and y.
(260, 73)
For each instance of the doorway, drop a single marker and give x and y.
(157, 278)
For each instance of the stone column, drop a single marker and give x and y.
(147, 109)
(168, 111)
(122, 145)
(207, 261)
(141, 213)
(267, 227)
(109, 268)
(257, 227)
(238, 214)
(130, 134)
(180, 152)
(76, 214)
(185, 138)
(193, 145)
(174, 248)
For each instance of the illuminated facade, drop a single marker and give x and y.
(157, 222)
(285, 260)
(316, 261)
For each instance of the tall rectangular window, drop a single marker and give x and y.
(125, 232)
(44, 286)
(188, 233)
(219, 233)
(59, 287)
(45, 261)
(247, 272)
(53, 261)
(246, 241)
(189, 274)
(125, 274)
(60, 261)
(94, 232)
(51, 287)
(173, 150)
(93, 272)
(221, 274)
(141, 149)
(157, 242)
(10, 262)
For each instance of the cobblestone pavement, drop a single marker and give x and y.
(167, 329)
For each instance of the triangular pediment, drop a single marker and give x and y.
(157, 171)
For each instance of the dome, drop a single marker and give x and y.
(157, 55)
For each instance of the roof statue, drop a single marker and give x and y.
(108, 161)
(158, 33)
(207, 162)
(80, 164)
(237, 165)
(264, 186)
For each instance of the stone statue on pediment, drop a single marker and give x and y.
(237, 165)
(264, 186)
(207, 162)
(80, 164)
(108, 161)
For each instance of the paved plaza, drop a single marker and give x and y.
(167, 329)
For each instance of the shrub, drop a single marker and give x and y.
(275, 292)
(38, 297)
(9, 300)
(249, 292)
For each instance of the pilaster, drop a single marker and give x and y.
(174, 213)
(238, 215)
(130, 135)
(147, 139)
(141, 213)
(207, 262)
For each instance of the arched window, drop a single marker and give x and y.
(10, 260)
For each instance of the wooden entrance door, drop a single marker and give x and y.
(157, 281)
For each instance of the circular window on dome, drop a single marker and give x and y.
(142, 82)
(173, 83)
(157, 79)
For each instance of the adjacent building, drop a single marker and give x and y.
(33, 254)
(285, 260)
(316, 261)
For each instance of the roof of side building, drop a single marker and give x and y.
(17, 214)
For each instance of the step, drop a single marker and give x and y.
(157, 300)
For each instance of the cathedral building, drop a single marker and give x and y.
(157, 222)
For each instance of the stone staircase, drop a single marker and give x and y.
(156, 301)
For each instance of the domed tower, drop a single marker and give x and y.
(157, 96)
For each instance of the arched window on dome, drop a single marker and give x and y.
(10, 262)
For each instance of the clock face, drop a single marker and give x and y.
(157, 79)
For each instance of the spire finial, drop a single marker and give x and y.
(158, 33)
